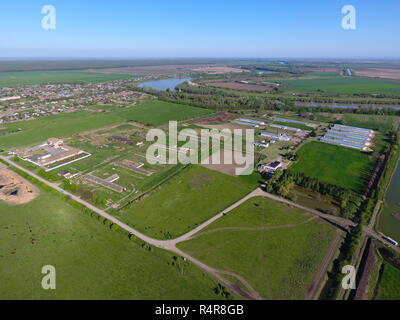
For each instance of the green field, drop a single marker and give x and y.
(21, 78)
(91, 261)
(389, 284)
(62, 125)
(341, 85)
(25, 133)
(375, 122)
(294, 125)
(344, 167)
(185, 201)
(155, 113)
(276, 248)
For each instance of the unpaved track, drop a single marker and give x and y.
(344, 223)
(261, 228)
(171, 244)
(162, 244)
(311, 293)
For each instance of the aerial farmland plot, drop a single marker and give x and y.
(342, 85)
(155, 113)
(389, 284)
(25, 133)
(10, 79)
(117, 153)
(277, 249)
(185, 201)
(335, 165)
(50, 231)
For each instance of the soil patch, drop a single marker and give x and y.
(16, 190)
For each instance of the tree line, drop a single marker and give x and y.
(283, 182)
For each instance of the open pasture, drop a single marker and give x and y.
(389, 284)
(276, 248)
(342, 85)
(26, 133)
(185, 201)
(155, 112)
(91, 261)
(375, 122)
(335, 165)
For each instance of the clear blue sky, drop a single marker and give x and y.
(200, 28)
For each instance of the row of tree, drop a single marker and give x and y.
(85, 194)
(229, 100)
(283, 182)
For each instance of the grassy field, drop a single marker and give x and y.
(91, 261)
(341, 85)
(294, 125)
(21, 78)
(24, 133)
(155, 113)
(332, 164)
(276, 248)
(185, 201)
(375, 122)
(389, 284)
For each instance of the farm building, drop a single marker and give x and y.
(246, 124)
(261, 144)
(288, 120)
(284, 127)
(348, 139)
(354, 130)
(56, 143)
(259, 123)
(104, 183)
(272, 166)
(136, 167)
(54, 151)
(65, 174)
(349, 135)
(344, 144)
(278, 136)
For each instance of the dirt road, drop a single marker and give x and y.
(311, 293)
(171, 244)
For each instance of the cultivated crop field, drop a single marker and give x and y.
(335, 165)
(339, 85)
(185, 201)
(276, 248)
(91, 261)
(21, 78)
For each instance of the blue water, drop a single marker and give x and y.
(164, 84)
